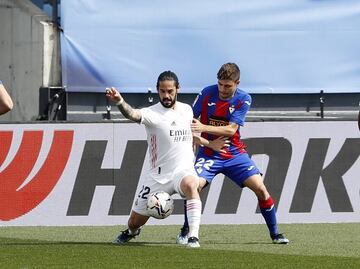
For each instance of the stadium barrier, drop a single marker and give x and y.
(88, 174)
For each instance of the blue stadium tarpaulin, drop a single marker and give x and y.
(282, 46)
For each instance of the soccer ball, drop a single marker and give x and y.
(160, 205)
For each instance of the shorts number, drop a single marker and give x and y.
(145, 190)
(202, 163)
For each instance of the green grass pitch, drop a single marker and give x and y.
(222, 246)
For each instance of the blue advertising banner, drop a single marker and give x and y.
(281, 46)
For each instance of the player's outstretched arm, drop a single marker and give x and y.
(228, 130)
(130, 113)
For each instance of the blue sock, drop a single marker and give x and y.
(267, 209)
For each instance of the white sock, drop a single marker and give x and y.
(193, 210)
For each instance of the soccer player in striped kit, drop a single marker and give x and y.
(221, 110)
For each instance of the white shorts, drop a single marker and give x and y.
(150, 185)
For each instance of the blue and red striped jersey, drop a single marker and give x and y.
(213, 111)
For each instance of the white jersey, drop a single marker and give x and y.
(169, 139)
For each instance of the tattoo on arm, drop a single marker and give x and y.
(129, 112)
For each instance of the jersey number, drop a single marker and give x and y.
(202, 163)
(145, 190)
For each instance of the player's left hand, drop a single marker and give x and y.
(220, 144)
(197, 126)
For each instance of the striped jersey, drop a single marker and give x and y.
(216, 112)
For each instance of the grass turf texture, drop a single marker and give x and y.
(222, 246)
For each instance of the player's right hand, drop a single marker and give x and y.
(197, 126)
(113, 94)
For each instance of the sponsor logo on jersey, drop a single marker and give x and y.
(218, 122)
(181, 135)
(211, 104)
(180, 132)
(248, 103)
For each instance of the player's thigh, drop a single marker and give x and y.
(207, 168)
(185, 181)
(240, 168)
(256, 184)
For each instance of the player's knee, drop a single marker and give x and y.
(261, 192)
(189, 186)
(256, 184)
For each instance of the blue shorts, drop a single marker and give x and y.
(238, 169)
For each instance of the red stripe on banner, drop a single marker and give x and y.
(22, 164)
(15, 203)
(5, 143)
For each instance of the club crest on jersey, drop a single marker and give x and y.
(231, 109)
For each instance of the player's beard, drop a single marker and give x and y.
(167, 102)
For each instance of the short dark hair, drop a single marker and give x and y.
(168, 75)
(229, 71)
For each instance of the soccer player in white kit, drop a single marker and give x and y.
(170, 148)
